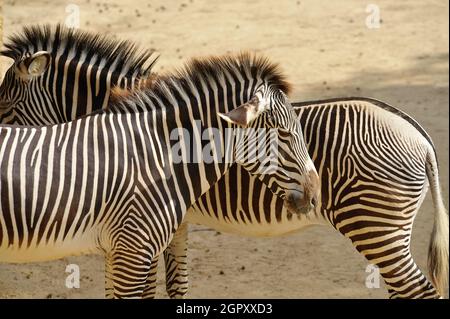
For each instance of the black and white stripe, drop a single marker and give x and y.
(60, 74)
(107, 182)
(352, 140)
(375, 164)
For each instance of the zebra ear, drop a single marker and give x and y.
(34, 65)
(38, 63)
(245, 113)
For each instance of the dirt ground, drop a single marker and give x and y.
(328, 51)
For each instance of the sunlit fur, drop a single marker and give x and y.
(374, 162)
(107, 182)
(270, 218)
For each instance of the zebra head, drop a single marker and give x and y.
(17, 86)
(59, 74)
(271, 145)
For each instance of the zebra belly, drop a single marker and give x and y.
(83, 244)
(248, 228)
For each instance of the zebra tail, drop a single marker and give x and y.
(438, 247)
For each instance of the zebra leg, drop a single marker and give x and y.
(401, 274)
(109, 287)
(404, 279)
(150, 285)
(128, 271)
(388, 247)
(176, 267)
(175, 258)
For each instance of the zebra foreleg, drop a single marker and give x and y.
(109, 287)
(175, 258)
(150, 286)
(127, 272)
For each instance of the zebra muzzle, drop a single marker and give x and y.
(299, 201)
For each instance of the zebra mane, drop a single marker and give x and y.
(201, 71)
(215, 67)
(60, 40)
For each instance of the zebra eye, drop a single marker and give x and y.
(284, 133)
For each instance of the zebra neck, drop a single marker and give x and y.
(196, 150)
(84, 87)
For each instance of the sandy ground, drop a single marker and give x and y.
(327, 51)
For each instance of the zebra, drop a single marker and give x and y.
(323, 124)
(110, 183)
(375, 163)
(60, 74)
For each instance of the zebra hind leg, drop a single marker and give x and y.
(404, 279)
(390, 250)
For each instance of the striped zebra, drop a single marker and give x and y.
(375, 163)
(358, 201)
(111, 182)
(60, 74)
